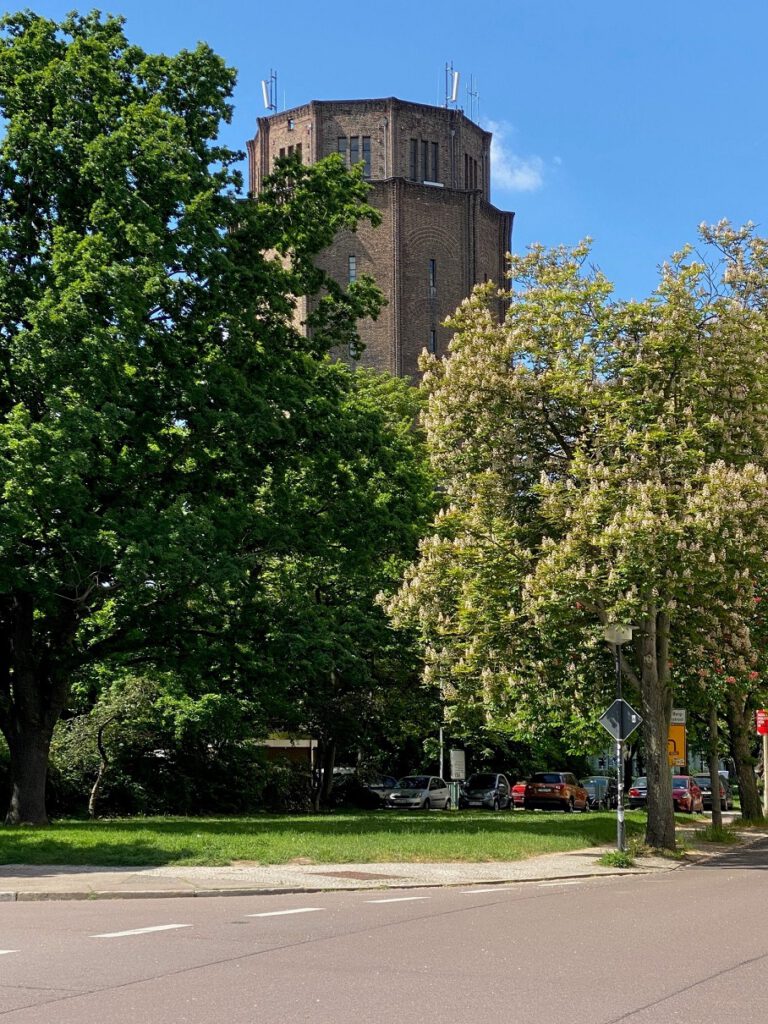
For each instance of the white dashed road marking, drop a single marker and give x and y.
(573, 881)
(141, 931)
(474, 892)
(279, 913)
(399, 899)
(2, 951)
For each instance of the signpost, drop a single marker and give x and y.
(761, 718)
(620, 720)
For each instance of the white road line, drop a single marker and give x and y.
(140, 931)
(399, 899)
(573, 881)
(279, 913)
(473, 892)
(3, 951)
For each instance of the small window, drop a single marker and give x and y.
(366, 156)
(354, 150)
(282, 152)
(435, 176)
(290, 151)
(298, 151)
(291, 124)
(432, 276)
(351, 268)
(433, 341)
(424, 161)
(414, 160)
(341, 147)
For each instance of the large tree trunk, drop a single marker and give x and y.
(656, 698)
(29, 748)
(739, 726)
(714, 766)
(33, 692)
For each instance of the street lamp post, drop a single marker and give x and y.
(616, 635)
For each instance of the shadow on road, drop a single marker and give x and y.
(754, 857)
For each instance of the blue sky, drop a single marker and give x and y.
(628, 122)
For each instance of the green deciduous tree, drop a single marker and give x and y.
(360, 500)
(152, 381)
(602, 462)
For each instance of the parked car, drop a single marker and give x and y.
(420, 792)
(368, 792)
(603, 792)
(487, 789)
(705, 785)
(638, 794)
(686, 794)
(518, 794)
(555, 791)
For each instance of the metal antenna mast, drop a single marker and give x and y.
(269, 90)
(451, 85)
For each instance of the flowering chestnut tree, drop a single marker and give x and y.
(601, 461)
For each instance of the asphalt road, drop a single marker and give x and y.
(685, 947)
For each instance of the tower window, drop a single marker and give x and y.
(424, 161)
(433, 341)
(298, 151)
(341, 147)
(354, 150)
(367, 156)
(351, 268)
(414, 169)
(432, 276)
(435, 175)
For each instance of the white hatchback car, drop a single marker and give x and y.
(420, 792)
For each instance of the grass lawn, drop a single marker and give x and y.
(362, 837)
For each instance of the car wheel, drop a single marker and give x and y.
(447, 804)
(426, 806)
(586, 807)
(495, 803)
(569, 806)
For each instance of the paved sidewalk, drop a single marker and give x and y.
(38, 882)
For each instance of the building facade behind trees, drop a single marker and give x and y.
(430, 175)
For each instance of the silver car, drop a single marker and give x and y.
(420, 792)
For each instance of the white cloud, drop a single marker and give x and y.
(511, 172)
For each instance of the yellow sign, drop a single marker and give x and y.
(676, 747)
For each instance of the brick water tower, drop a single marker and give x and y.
(430, 174)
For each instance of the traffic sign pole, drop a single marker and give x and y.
(620, 827)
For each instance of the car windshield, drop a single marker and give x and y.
(641, 783)
(547, 777)
(679, 783)
(702, 780)
(481, 782)
(590, 783)
(414, 782)
(593, 780)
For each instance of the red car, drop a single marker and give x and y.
(686, 794)
(518, 794)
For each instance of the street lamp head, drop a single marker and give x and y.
(617, 633)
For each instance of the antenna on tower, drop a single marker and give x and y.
(269, 90)
(473, 99)
(451, 84)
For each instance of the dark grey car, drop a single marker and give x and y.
(704, 783)
(603, 792)
(487, 789)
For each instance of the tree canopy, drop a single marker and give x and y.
(153, 382)
(601, 461)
